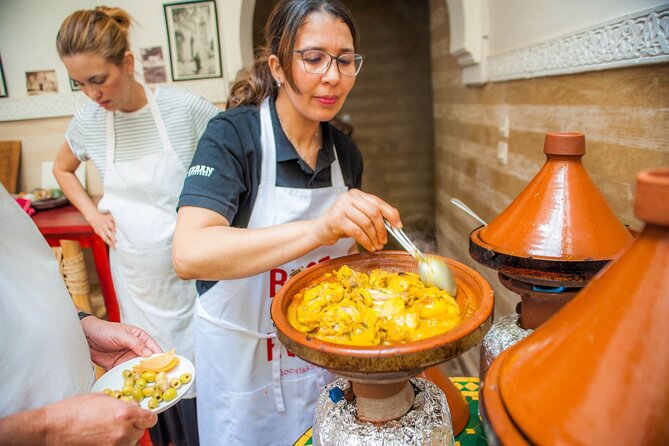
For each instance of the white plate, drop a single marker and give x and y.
(113, 380)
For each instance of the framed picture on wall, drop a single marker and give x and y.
(41, 82)
(192, 34)
(74, 86)
(3, 85)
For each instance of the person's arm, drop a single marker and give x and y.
(91, 419)
(112, 343)
(64, 167)
(206, 247)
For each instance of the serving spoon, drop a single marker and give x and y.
(432, 270)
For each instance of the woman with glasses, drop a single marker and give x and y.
(273, 188)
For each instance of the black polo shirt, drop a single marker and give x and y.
(225, 172)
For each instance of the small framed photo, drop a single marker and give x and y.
(41, 82)
(3, 85)
(192, 34)
(74, 86)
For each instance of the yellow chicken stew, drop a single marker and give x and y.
(355, 308)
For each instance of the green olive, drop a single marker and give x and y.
(128, 382)
(127, 373)
(107, 391)
(116, 394)
(126, 390)
(175, 383)
(185, 378)
(141, 383)
(126, 398)
(153, 403)
(149, 376)
(147, 391)
(170, 394)
(137, 394)
(157, 394)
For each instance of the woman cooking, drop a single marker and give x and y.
(141, 142)
(273, 190)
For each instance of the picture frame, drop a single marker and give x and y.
(41, 82)
(73, 85)
(153, 64)
(193, 39)
(3, 85)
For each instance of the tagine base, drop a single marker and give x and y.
(378, 403)
(537, 306)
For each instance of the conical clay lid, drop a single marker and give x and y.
(597, 372)
(560, 215)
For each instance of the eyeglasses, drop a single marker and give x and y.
(318, 62)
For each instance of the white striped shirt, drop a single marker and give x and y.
(185, 116)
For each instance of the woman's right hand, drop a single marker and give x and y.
(64, 167)
(359, 215)
(103, 224)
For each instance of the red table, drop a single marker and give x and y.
(67, 223)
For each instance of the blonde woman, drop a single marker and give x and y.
(141, 142)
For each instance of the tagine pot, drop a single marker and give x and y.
(559, 231)
(389, 367)
(597, 372)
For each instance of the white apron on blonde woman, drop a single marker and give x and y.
(142, 196)
(249, 385)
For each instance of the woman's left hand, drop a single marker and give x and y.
(359, 215)
(112, 343)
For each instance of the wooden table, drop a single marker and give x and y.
(67, 223)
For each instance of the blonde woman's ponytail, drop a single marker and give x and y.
(102, 31)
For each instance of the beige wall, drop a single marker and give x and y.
(40, 139)
(624, 114)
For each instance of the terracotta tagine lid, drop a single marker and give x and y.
(560, 216)
(382, 372)
(597, 372)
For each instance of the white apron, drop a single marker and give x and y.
(45, 357)
(251, 390)
(142, 196)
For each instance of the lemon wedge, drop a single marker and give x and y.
(159, 363)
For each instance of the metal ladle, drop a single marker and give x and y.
(431, 270)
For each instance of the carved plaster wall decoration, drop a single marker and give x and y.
(635, 39)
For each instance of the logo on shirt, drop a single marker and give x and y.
(204, 171)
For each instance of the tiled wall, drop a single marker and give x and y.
(624, 114)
